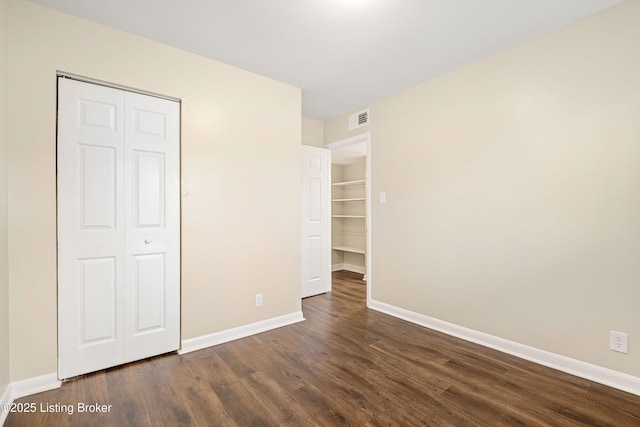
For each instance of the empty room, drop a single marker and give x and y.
(337, 212)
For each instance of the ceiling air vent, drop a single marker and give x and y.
(358, 120)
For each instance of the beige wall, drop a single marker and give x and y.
(243, 182)
(312, 132)
(4, 175)
(338, 128)
(513, 192)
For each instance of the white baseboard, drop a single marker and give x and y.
(216, 338)
(349, 267)
(34, 385)
(337, 267)
(571, 366)
(6, 398)
(22, 388)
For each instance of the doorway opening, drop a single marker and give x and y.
(351, 207)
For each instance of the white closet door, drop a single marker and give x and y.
(316, 221)
(90, 227)
(110, 292)
(152, 224)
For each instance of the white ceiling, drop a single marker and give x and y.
(342, 53)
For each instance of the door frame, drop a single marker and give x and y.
(341, 143)
(84, 79)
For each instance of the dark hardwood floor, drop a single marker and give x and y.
(344, 365)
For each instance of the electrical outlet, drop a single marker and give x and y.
(618, 341)
(258, 300)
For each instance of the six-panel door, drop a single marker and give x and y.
(118, 227)
(316, 221)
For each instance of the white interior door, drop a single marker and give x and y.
(316, 221)
(90, 227)
(152, 225)
(118, 227)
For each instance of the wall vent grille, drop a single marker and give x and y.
(359, 119)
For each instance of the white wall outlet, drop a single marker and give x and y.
(258, 300)
(618, 341)
(383, 197)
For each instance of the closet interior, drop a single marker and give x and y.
(348, 210)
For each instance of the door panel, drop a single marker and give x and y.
(97, 287)
(316, 221)
(315, 200)
(97, 115)
(118, 227)
(150, 124)
(149, 178)
(90, 227)
(150, 285)
(152, 250)
(97, 178)
(315, 258)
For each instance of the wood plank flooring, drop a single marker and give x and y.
(344, 365)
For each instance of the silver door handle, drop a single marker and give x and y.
(147, 240)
